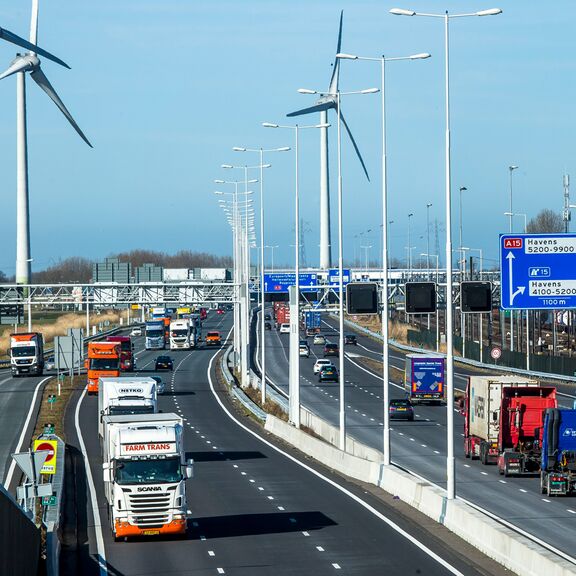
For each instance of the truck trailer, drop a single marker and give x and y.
(424, 378)
(125, 395)
(145, 472)
(27, 354)
(503, 421)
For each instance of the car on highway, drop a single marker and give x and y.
(213, 338)
(350, 339)
(49, 363)
(267, 326)
(331, 349)
(401, 409)
(320, 363)
(220, 311)
(328, 374)
(160, 389)
(319, 339)
(267, 317)
(164, 363)
(136, 331)
(285, 328)
(304, 350)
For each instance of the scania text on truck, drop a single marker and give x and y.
(126, 395)
(126, 352)
(144, 474)
(103, 360)
(155, 335)
(558, 466)
(27, 353)
(503, 421)
(424, 378)
(180, 334)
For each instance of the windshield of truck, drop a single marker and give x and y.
(177, 333)
(120, 410)
(104, 363)
(155, 333)
(126, 346)
(24, 351)
(148, 471)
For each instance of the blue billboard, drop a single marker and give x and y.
(280, 281)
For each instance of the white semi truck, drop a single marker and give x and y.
(125, 395)
(27, 353)
(181, 337)
(145, 474)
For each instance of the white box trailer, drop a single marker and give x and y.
(145, 473)
(125, 395)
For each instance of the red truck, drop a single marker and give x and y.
(504, 419)
(126, 352)
(283, 315)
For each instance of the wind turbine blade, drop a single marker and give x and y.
(34, 22)
(39, 77)
(14, 39)
(333, 87)
(316, 108)
(17, 66)
(354, 144)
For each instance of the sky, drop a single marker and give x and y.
(165, 89)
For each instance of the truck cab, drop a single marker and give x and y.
(145, 473)
(155, 335)
(27, 354)
(103, 360)
(126, 352)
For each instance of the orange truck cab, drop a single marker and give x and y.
(213, 338)
(103, 361)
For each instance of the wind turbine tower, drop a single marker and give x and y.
(29, 62)
(326, 102)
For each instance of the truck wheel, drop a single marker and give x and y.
(542, 484)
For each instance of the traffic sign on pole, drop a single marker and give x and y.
(279, 282)
(537, 271)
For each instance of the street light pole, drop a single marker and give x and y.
(511, 170)
(450, 461)
(428, 206)
(294, 368)
(262, 236)
(409, 247)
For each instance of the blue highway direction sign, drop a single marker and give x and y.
(279, 282)
(537, 271)
(334, 276)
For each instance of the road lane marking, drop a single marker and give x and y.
(390, 523)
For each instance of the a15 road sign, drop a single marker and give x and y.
(537, 271)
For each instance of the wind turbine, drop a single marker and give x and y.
(29, 62)
(328, 101)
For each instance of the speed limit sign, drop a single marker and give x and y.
(495, 353)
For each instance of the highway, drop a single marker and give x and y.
(19, 400)
(420, 446)
(255, 508)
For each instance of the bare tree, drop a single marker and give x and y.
(545, 222)
(74, 269)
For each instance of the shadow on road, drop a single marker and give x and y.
(255, 524)
(223, 456)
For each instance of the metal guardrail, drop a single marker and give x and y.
(49, 351)
(236, 391)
